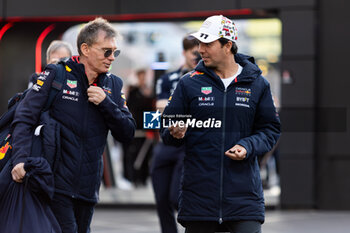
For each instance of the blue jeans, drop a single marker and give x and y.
(73, 215)
(232, 226)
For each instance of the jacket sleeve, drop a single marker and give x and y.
(28, 113)
(177, 105)
(266, 128)
(117, 116)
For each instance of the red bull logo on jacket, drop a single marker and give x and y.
(196, 73)
(243, 91)
(4, 149)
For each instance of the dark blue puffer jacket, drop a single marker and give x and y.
(83, 127)
(215, 187)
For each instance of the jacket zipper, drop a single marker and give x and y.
(222, 156)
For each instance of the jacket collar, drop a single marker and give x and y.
(78, 69)
(249, 73)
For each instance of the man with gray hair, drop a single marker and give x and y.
(57, 50)
(89, 104)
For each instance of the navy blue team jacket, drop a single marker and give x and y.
(166, 83)
(83, 127)
(215, 187)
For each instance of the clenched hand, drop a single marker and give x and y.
(18, 173)
(237, 152)
(177, 131)
(96, 95)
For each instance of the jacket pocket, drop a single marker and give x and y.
(240, 180)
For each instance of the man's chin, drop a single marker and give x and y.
(208, 65)
(104, 70)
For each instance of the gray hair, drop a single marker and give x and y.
(88, 34)
(56, 45)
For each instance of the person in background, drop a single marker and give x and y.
(57, 50)
(167, 161)
(140, 99)
(233, 122)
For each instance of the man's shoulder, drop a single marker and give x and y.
(261, 82)
(115, 80)
(193, 76)
(48, 73)
(112, 76)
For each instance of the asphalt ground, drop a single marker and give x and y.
(124, 220)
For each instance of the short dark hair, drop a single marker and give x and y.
(88, 34)
(189, 42)
(234, 47)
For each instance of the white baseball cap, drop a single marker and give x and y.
(215, 27)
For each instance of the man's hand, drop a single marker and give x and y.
(96, 94)
(18, 172)
(177, 131)
(237, 152)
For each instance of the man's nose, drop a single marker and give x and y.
(111, 57)
(201, 48)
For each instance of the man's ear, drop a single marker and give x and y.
(85, 50)
(228, 46)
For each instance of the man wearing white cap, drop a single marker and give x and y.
(231, 120)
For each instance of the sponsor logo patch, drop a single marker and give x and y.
(206, 90)
(36, 87)
(206, 98)
(124, 98)
(43, 78)
(108, 90)
(243, 91)
(196, 73)
(72, 84)
(206, 104)
(68, 69)
(242, 99)
(242, 105)
(4, 149)
(43, 75)
(39, 82)
(65, 97)
(73, 93)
